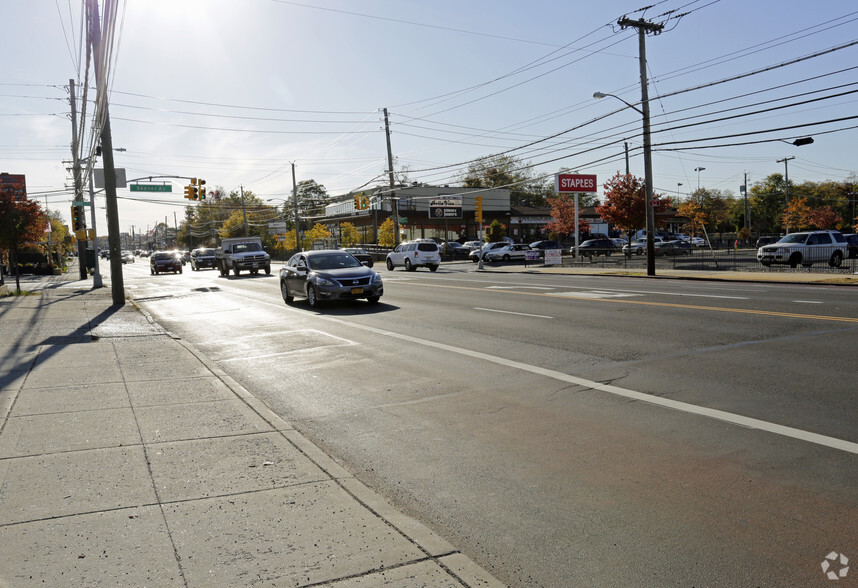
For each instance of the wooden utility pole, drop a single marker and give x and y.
(394, 205)
(643, 28)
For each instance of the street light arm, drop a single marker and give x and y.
(598, 95)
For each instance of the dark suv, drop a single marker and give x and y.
(202, 257)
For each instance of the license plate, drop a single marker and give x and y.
(357, 290)
(255, 265)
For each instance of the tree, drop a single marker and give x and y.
(385, 233)
(289, 242)
(563, 215)
(693, 212)
(349, 234)
(21, 221)
(504, 171)
(625, 204)
(496, 231)
(795, 214)
(312, 198)
(824, 218)
(317, 232)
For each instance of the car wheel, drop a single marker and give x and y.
(236, 271)
(836, 259)
(373, 299)
(794, 260)
(284, 291)
(506, 257)
(433, 268)
(639, 252)
(180, 270)
(389, 264)
(151, 272)
(409, 267)
(267, 270)
(312, 297)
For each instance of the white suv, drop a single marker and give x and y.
(805, 248)
(413, 254)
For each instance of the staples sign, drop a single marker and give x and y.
(575, 183)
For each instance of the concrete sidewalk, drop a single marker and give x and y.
(128, 458)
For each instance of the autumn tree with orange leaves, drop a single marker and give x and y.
(21, 221)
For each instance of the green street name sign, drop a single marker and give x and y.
(79, 203)
(151, 187)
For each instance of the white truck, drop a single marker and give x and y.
(242, 253)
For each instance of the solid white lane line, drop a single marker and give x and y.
(510, 312)
(728, 417)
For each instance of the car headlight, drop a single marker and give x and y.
(325, 282)
(376, 278)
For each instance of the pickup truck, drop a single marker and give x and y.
(242, 253)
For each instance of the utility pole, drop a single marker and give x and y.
(393, 201)
(785, 161)
(78, 183)
(116, 278)
(295, 205)
(243, 210)
(747, 207)
(643, 28)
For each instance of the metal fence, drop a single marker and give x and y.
(705, 259)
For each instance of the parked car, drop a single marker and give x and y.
(202, 257)
(543, 245)
(164, 261)
(414, 254)
(454, 250)
(471, 245)
(595, 247)
(669, 248)
(361, 255)
(684, 246)
(516, 251)
(766, 241)
(697, 241)
(852, 245)
(127, 257)
(806, 248)
(638, 246)
(475, 254)
(329, 275)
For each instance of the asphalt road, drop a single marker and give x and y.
(567, 430)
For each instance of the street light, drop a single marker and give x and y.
(650, 209)
(698, 170)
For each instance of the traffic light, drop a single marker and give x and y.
(189, 194)
(478, 209)
(364, 202)
(202, 184)
(77, 220)
(357, 202)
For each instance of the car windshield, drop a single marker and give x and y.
(163, 255)
(205, 251)
(242, 247)
(794, 238)
(332, 261)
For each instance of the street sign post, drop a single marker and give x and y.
(575, 183)
(13, 185)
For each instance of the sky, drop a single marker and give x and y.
(235, 92)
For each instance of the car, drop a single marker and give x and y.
(805, 248)
(638, 246)
(471, 245)
(766, 241)
(164, 261)
(683, 245)
(328, 275)
(475, 254)
(852, 245)
(669, 249)
(595, 247)
(361, 255)
(697, 241)
(202, 257)
(619, 242)
(127, 257)
(543, 245)
(516, 251)
(414, 254)
(454, 250)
